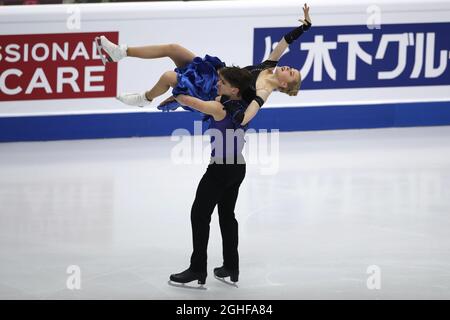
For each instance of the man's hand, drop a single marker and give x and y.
(306, 13)
(212, 108)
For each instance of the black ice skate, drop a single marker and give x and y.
(180, 279)
(221, 273)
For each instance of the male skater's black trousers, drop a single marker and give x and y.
(218, 186)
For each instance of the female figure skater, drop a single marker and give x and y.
(197, 77)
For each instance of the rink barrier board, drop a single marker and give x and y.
(146, 124)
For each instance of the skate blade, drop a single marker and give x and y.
(232, 284)
(186, 286)
(98, 47)
(104, 56)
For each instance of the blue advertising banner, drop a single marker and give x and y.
(394, 55)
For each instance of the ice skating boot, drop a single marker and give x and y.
(221, 273)
(180, 279)
(134, 99)
(111, 51)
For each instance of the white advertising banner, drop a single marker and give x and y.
(356, 53)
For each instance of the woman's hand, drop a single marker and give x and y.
(169, 99)
(306, 13)
(182, 99)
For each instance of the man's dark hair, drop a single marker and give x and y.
(237, 77)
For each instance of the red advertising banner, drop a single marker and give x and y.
(55, 66)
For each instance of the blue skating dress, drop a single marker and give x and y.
(197, 79)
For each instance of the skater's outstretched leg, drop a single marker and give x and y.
(177, 53)
(167, 80)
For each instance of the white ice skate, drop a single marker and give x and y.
(134, 99)
(111, 52)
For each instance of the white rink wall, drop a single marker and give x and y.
(364, 64)
(221, 28)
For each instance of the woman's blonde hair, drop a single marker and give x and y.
(292, 87)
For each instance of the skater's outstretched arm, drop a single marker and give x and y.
(282, 45)
(213, 108)
(255, 105)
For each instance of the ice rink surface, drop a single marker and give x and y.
(338, 203)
